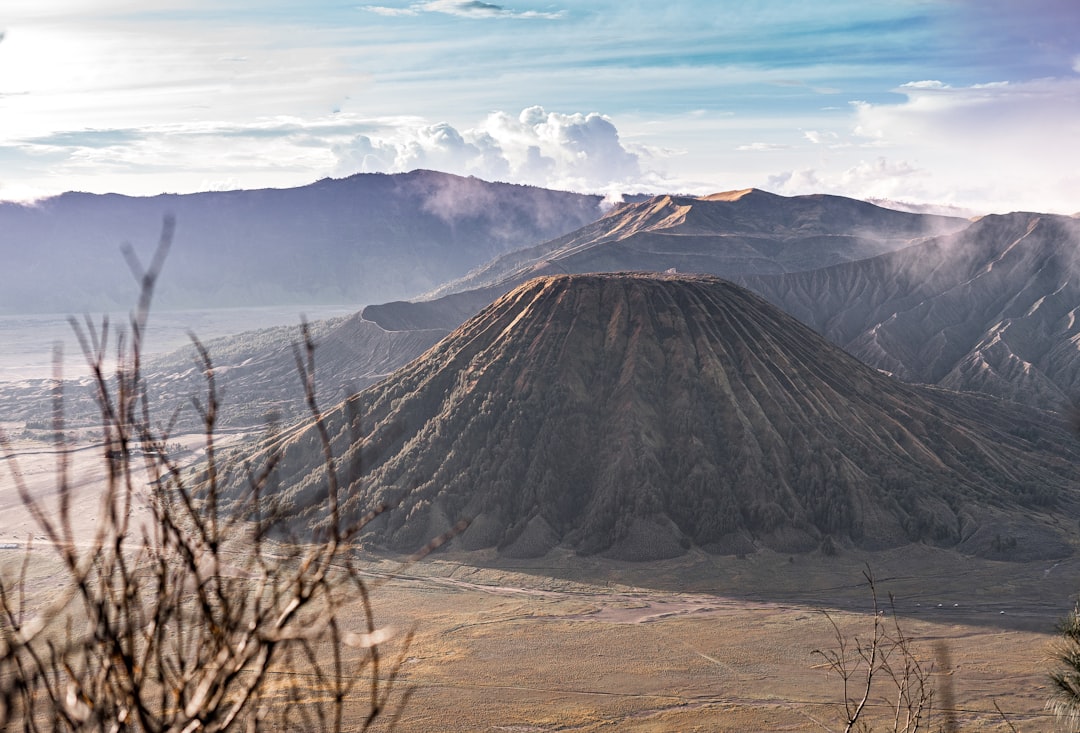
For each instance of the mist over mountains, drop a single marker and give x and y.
(727, 234)
(732, 233)
(636, 416)
(993, 308)
(989, 305)
(363, 239)
(746, 231)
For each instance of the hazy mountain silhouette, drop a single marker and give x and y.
(636, 416)
(993, 308)
(363, 239)
(726, 234)
(749, 231)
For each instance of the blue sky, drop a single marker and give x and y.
(975, 104)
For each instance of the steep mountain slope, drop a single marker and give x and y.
(637, 416)
(749, 231)
(363, 239)
(993, 308)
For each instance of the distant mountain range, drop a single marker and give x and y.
(633, 416)
(364, 239)
(990, 305)
(994, 308)
(732, 233)
(727, 234)
(739, 232)
(637, 416)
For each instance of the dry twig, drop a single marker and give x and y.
(194, 620)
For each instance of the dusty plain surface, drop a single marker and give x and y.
(505, 650)
(38, 465)
(698, 643)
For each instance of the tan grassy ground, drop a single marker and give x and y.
(697, 643)
(593, 657)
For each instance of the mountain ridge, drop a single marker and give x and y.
(993, 308)
(737, 232)
(363, 239)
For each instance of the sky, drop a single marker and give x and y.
(970, 103)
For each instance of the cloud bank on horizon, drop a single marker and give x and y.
(964, 102)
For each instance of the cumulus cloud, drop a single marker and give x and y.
(573, 151)
(878, 178)
(390, 12)
(463, 9)
(817, 137)
(762, 147)
(579, 152)
(993, 146)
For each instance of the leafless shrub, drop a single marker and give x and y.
(194, 620)
(880, 671)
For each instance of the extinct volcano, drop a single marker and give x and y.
(638, 416)
(731, 233)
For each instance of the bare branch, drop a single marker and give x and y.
(183, 622)
(883, 670)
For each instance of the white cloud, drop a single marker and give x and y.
(573, 151)
(879, 178)
(464, 9)
(580, 152)
(390, 12)
(220, 184)
(819, 137)
(996, 146)
(762, 147)
(1024, 115)
(927, 84)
